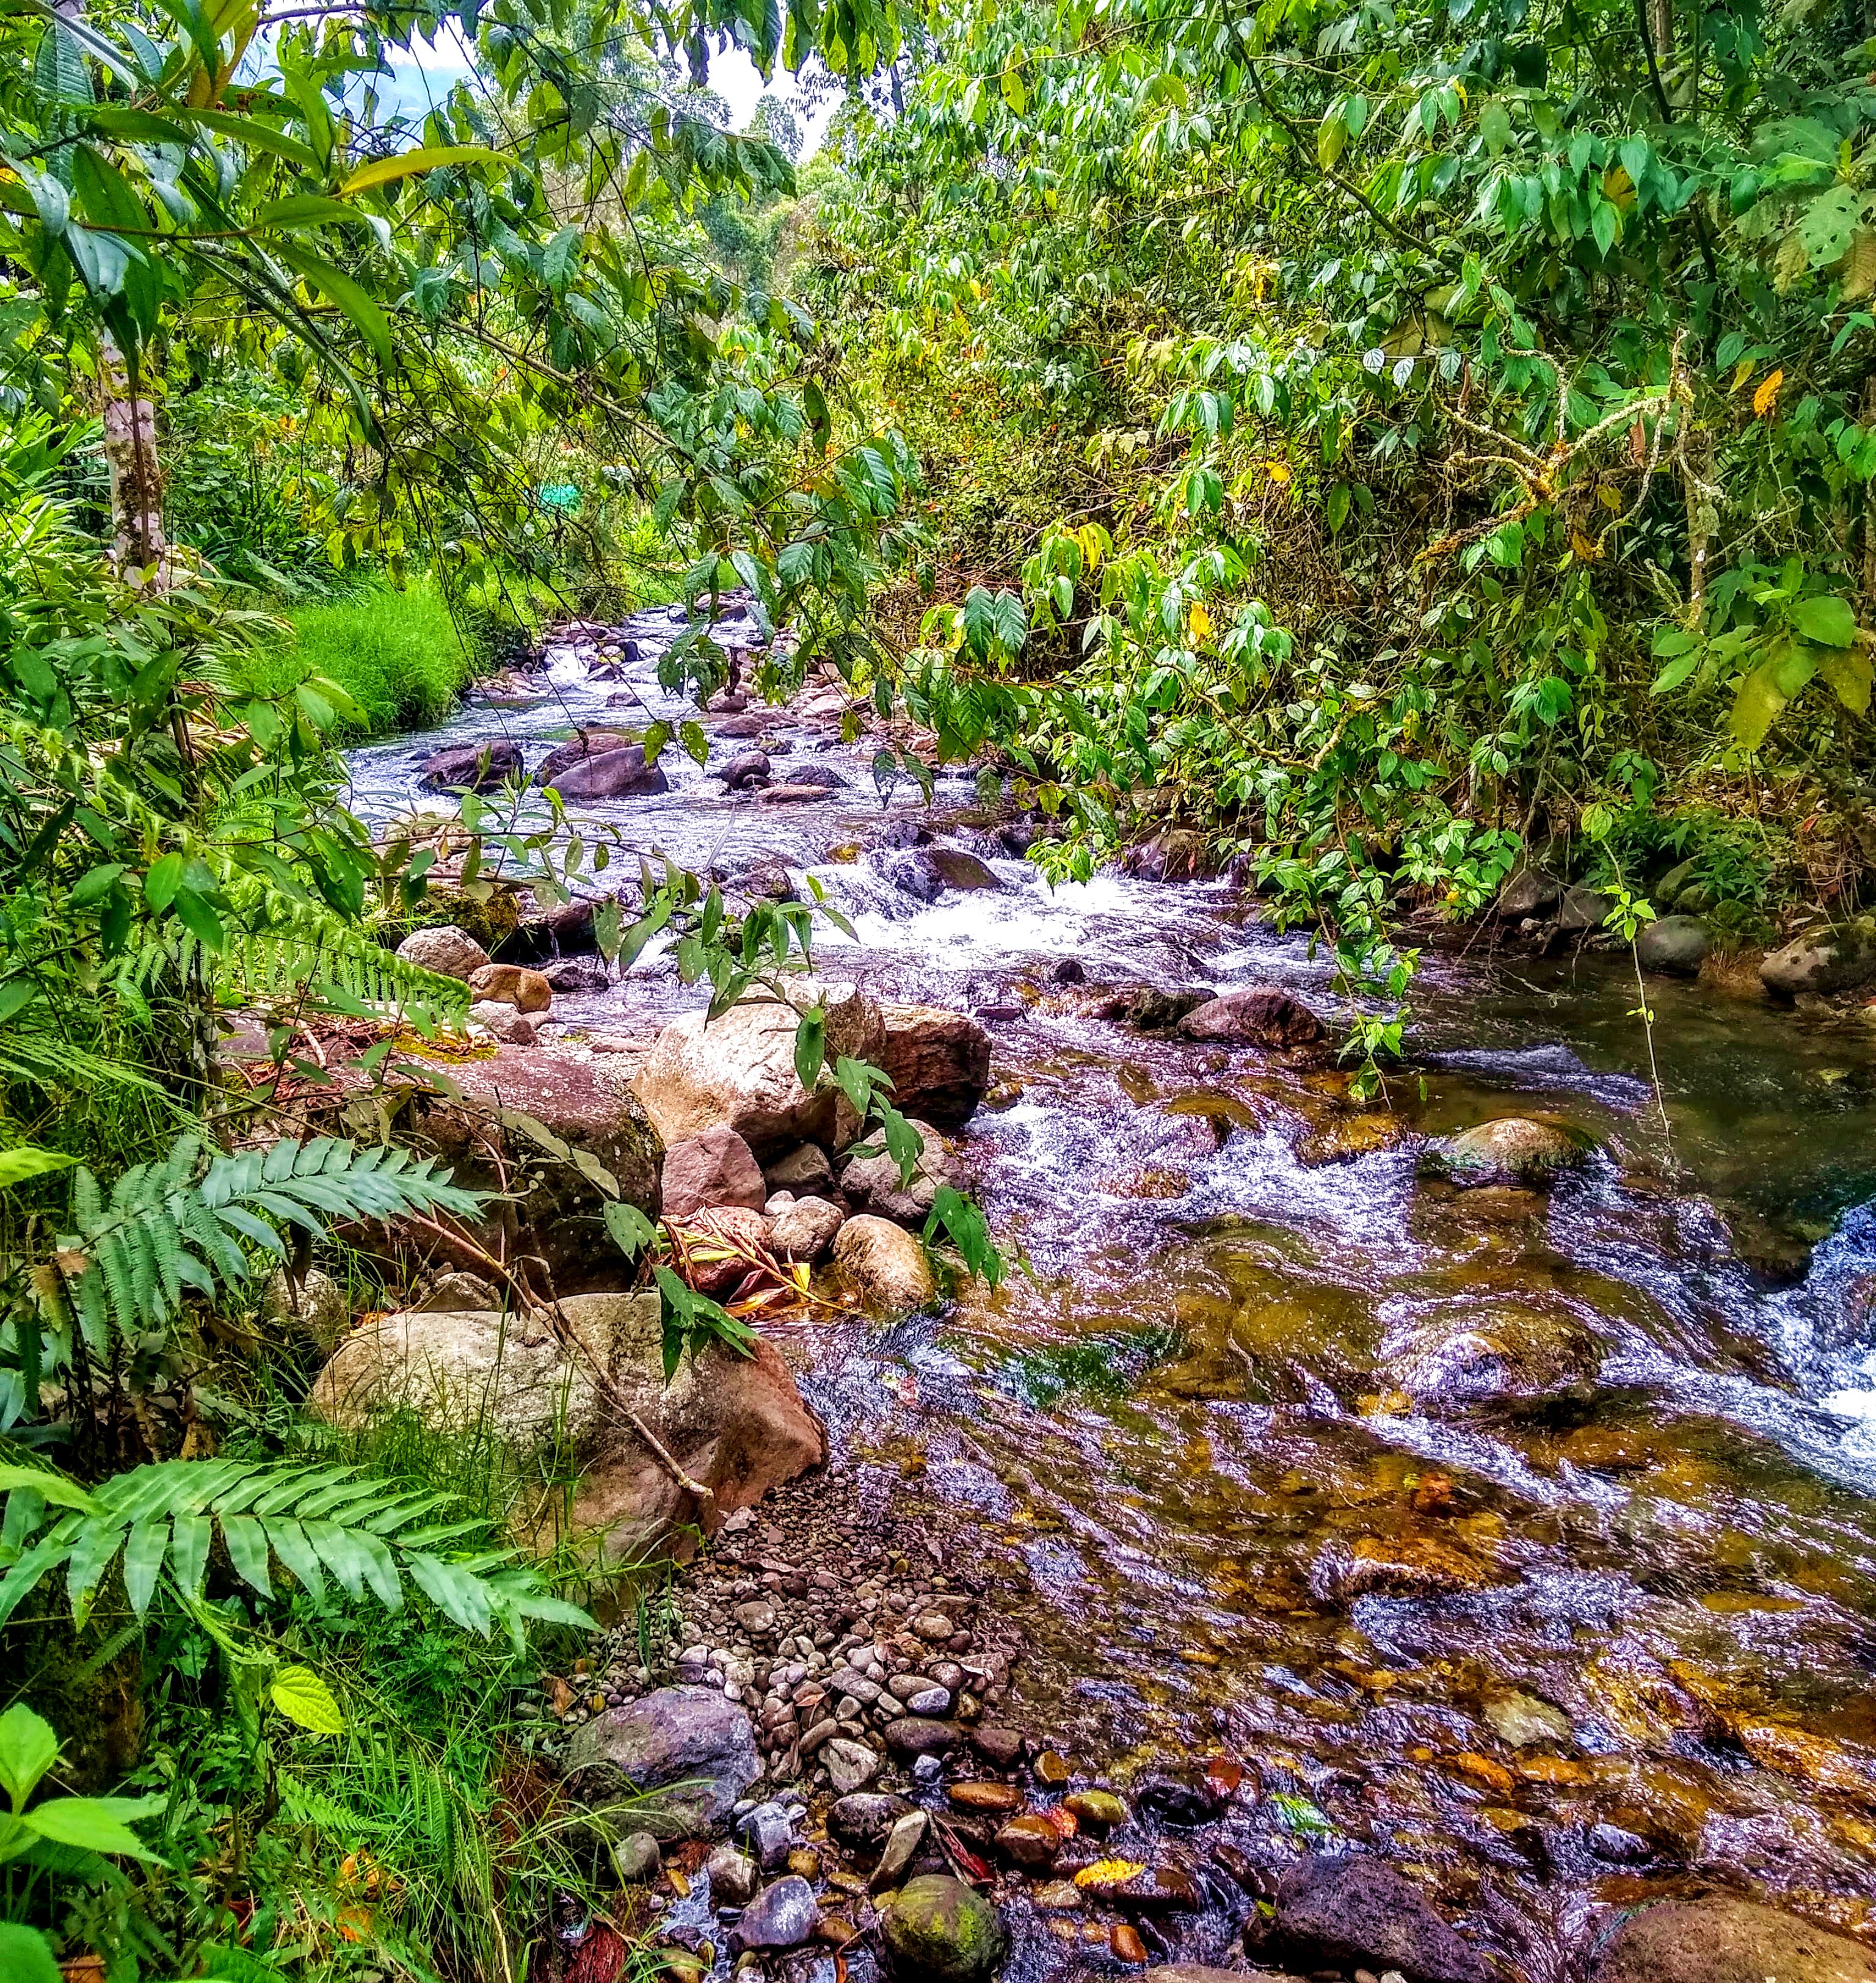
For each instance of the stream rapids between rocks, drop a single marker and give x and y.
(1527, 1539)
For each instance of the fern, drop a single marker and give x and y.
(165, 1232)
(321, 1524)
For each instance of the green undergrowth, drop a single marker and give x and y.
(398, 655)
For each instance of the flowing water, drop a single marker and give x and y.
(1530, 1537)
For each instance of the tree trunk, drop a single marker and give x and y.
(1868, 614)
(138, 542)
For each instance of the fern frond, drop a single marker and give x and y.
(161, 1519)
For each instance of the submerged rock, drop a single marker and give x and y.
(738, 1072)
(446, 949)
(715, 1167)
(1722, 1940)
(1465, 1351)
(1263, 1015)
(691, 1749)
(936, 1929)
(939, 1062)
(735, 1425)
(1822, 962)
(470, 767)
(884, 1266)
(1356, 1912)
(1514, 1149)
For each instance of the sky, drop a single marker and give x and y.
(428, 73)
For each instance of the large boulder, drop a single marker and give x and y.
(884, 1266)
(712, 1168)
(1354, 1911)
(738, 1072)
(557, 1132)
(674, 1763)
(452, 952)
(611, 774)
(1262, 1015)
(1583, 910)
(1514, 1149)
(1675, 946)
(593, 1383)
(1720, 1939)
(928, 872)
(938, 1930)
(939, 1062)
(470, 767)
(583, 744)
(1822, 962)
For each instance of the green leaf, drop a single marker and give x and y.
(26, 1957)
(691, 736)
(28, 1161)
(1826, 619)
(28, 1748)
(811, 1038)
(94, 1824)
(369, 320)
(631, 1230)
(247, 1550)
(1764, 693)
(300, 1694)
(161, 882)
(1848, 674)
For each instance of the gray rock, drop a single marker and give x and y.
(844, 1680)
(768, 1833)
(782, 1916)
(938, 1930)
(1514, 1149)
(805, 1171)
(751, 767)
(688, 1745)
(1822, 962)
(850, 1765)
(1583, 909)
(1263, 1015)
(873, 1184)
(452, 952)
(1529, 892)
(884, 1266)
(902, 1844)
(457, 1292)
(732, 1877)
(806, 1229)
(914, 1735)
(636, 1857)
(863, 1819)
(511, 1028)
(472, 768)
(611, 774)
(1676, 946)
(929, 1700)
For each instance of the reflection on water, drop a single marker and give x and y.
(1482, 1519)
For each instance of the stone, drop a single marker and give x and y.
(715, 1167)
(1052, 1770)
(1406, 1567)
(682, 1757)
(1031, 1842)
(1514, 1149)
(1822, 962)
(470, 767)
(1674, 946)
(1068, 971)
(805, 1171)
(998, 1747)
(850, 1765)
(1173, 1800)
(445, 949)
(928, 872)
(1147, 1008)
(782, 1916)
(1096, 1811)
(1521, 1719)
(1720, 1939)
(732, 1877)
(769, 1834)
(502, 1021)
(938, 1930)
(1583, 910)
(512, 984)
(1530, 892)
(1175, 854)
(611, 774)
(862, 1820)
(636, 1857)
(874, 1184)
(929, 1700)
(1262, 1015)
(902, 1848)
(583, 744)
(884, 1266)
(749, 768)
(735, 1425)
(454, 1292)
(806, 1229)
(558, 932)
(1467, 1352)
(1338, 1913)
(998, 1800)
(912, 1735)
(575, 974)
(1197, 1972)
(939, 1062)
(311, 1304)
(486, 1131)
(738, 1071)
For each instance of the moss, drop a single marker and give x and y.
(1109, 1366)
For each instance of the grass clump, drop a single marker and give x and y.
(398, 655)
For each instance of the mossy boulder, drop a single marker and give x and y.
(1515, 1150)
(938, 1930)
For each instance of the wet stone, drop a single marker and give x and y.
(1030, 1841)
(938, 1931)
(781, 1916)
(902, 1848)
(732, 1877)
(1097, 1811)
(983, 1796)
(863, 1819)
(913, 1735)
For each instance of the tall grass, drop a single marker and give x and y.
(398, 656)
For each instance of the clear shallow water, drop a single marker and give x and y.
(1328, 1463)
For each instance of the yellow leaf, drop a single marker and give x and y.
(1279, 472)
(1109, 1873)
(1860, 265)
(1610, 498)
(1741, 372)
(1200, 621)
(1584, 547)
(401, 165)
(1767, 396)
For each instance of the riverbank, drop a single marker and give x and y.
(1518, 1538)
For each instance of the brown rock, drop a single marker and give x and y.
(471, 767)
(583, 744)
(511, 984)
(998, 1747)
(715, 1167)
(806, 1229)
(1723, 1940)
(884, 1266)
(983, 1796)
(611, 774)
(1029, 1841)
(1262, 1015)
(939, 1062)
